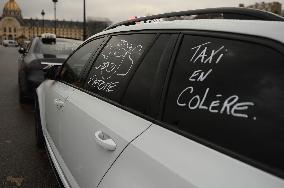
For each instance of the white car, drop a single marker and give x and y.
(10, 43)
(185, 103)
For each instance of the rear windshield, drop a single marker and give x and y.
(62, 47)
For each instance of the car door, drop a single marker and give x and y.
(222, 120)
(56, 92)
(96, 129)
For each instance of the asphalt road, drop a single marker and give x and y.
(21, 164)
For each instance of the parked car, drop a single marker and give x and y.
(10, 43)
(184, 103)
(25, 44)
(35, 56)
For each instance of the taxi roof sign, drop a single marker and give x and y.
(48, 35)
(48, 38)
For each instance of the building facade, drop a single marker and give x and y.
(274, 7)
(13, 26)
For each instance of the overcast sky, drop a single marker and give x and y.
(117, 10)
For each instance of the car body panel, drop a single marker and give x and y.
(59, 164)
(154, 160)
(73, 140)
(83, 116)
(54, 91)
(57, 160)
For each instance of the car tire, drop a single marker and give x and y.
(38, 128)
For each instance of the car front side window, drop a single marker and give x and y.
(72, 69)
(116, 64)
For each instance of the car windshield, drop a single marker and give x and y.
(62, 47)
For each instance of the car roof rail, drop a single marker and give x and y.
(227, 13)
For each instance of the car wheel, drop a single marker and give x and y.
(38, 128)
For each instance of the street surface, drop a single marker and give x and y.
(21, 164)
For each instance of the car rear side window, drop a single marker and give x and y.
(116, 64)
(230, 93)
(141, 91)
(73, 68)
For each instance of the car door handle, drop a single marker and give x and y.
(105, 141)
(59, 103)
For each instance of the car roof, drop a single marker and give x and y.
(268, 29)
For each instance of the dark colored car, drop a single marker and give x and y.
(42, 50)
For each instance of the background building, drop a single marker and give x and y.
(13, 26)
(274, 7)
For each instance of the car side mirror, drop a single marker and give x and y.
(22, 50)
(51, 70)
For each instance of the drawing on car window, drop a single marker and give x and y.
(118, 60)
(203, 54)
(231, 105)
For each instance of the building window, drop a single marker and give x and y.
(15, 30)
(10, 29)
(5, 30)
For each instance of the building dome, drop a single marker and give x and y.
(11, 8)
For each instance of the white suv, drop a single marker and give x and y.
(185, 103)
